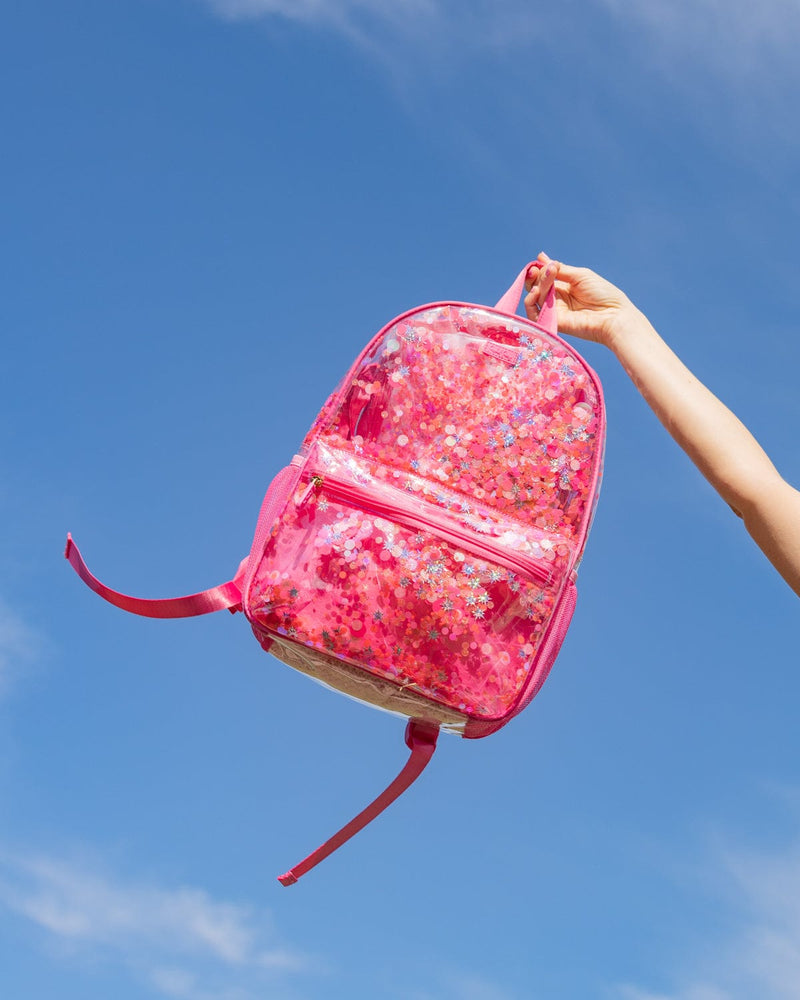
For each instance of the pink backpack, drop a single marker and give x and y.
(420, 551)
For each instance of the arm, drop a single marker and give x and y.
(716, 441)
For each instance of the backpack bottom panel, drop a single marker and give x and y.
(357, 683)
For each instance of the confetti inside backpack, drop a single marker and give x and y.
(420, 551)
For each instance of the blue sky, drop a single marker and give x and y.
(207, 209)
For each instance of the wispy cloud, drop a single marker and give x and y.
(692, 993)
(456, 985)
(380, 29)
(762, 958)
(731, 63)
(324, 11)
(19, 646)
(718, 33)
(730, 60)
(180, 940)
(734, 33)
(467, 986)
(359, 20)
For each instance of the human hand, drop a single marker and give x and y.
(588, 306)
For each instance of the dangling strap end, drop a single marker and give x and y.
(228, 595)
(421, 739)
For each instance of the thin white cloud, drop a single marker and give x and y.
(19, 646)
(737, 50)
(325, 10)
(762, 958)
(733, 33)
(735, 27)
(180, 940)
(378, 28)
(456, 985)
(731, 63)
(467, 986)
(345, 15)
(692, 993)
(184, 985)
(769, 951)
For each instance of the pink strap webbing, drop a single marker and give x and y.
(509, 303)
(227, 595)
(421, 739)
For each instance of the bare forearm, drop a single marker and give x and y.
(715, 439)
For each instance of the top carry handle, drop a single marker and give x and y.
(509, 303)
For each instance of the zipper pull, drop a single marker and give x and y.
(314, 484)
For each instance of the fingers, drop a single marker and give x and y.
(532, 307)
(568, 273)
(540, 280)
(539, 266)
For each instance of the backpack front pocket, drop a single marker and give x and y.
(384, 582)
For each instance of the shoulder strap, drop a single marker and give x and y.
(228, 595)
(421, 740)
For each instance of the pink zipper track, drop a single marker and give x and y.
(442, 527)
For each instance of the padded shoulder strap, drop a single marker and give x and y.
(421, 740)
(227, 595)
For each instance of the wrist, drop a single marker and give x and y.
(625, 325)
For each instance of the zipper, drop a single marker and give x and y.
(313, 484)
(442, 527)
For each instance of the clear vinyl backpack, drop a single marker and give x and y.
(420, 550)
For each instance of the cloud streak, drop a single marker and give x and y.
(180, 940)
(727, 46)
(733, 33)
(18, 647)
(762, 959)
(736, 27)
(358, 20)
(730, 64)
(324, 11)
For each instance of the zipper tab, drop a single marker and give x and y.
(314, 484)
